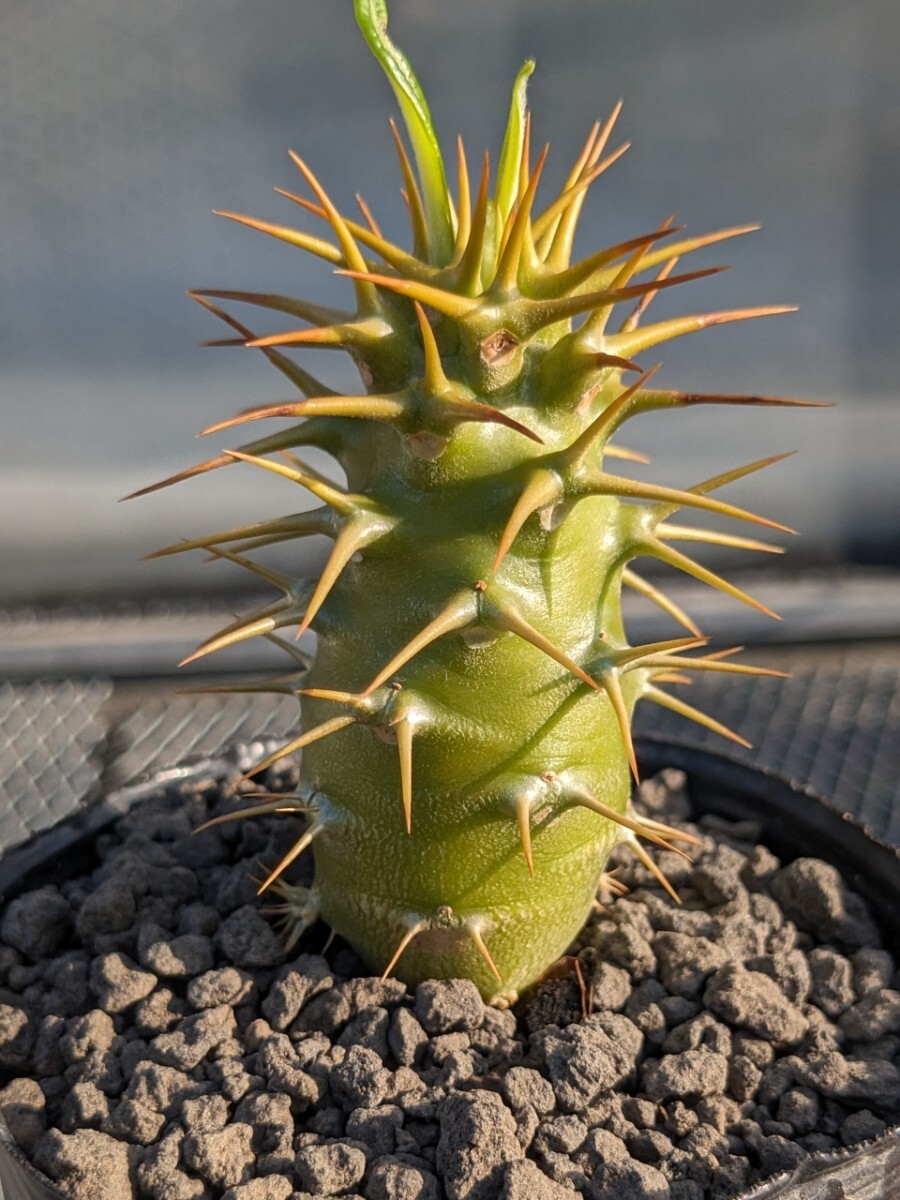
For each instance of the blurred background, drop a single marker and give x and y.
(124, 124)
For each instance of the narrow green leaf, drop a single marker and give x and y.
(511, 154)
(372, 18)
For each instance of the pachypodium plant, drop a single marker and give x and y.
(466, 724)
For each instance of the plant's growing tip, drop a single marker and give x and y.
(466, 724)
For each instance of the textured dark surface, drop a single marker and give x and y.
(435, 1060)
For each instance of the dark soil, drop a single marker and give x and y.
(159, 1043)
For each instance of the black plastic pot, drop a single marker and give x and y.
(795, 822)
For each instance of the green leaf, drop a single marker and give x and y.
(511, 154)
(372, 18)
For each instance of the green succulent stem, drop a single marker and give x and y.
(466, 723)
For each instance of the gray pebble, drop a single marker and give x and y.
(278, 1063)
(198, 918)
(86, 1163)
(799, 1107)
(644, 1011)
(248, 940)
(109, 909)
(37, 923)
(293, 986)
(743, 1077)
(478, 1138)
(704, 1140)
(230, 1077)
(328, 1123)
(649, 1146)
(831, 986)
(819, 1143)
(562, 1134)
(862, 1126)
(586, 1059)
(603, 1146)
(17, 1037)
(360, 1081)
(100, 1067)
(524, 1180)
(47, 1055)
(458, 1068)
(641, 1113)
(612, 986)
(755, 1002)
(375, 1127)
(93, 1031)
(876, 1084)
(872, 969)
(371, 991)
(227, 985)
(627, 947)
(627, 1181)
(406, 1037)
(718, 878)
(524, 1087)
(203, 1113)
(270, 1117)
(790, 970)
(66, 976)
(877, 1014)
(686, 1189)
(160, 1175)
(678, 1009)
(130, 1121)
(690, 1074)
(702, 1030)
(392, 1178)
(326, 1012)
(679, 1119)
(759, 1051)
(162, 1088)
(777, 1078)
(118, 983)
(369, 1029)
(441, 1047)
(330, 1169)
(271, 1187)
(777, 1154)
(85, 1107)
(448, 1005)
(761, 864)
(174, 957)
(23, 1105)
(816, 898)
(231, 887)
(158, 1012)
(223, 1157)
(719, 1111)
(193, 1038)
(740, 934)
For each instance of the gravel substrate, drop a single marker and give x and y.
(157, 1043)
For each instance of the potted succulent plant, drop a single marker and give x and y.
(466, 771)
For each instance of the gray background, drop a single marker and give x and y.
(124, 123)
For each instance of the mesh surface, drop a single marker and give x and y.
(834, 725)
(52, 747)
